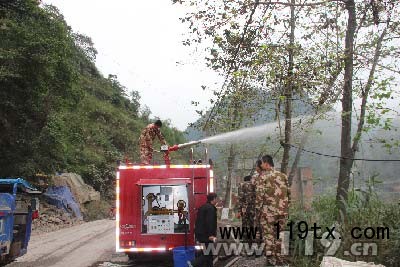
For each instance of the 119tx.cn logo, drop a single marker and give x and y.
(331, 240)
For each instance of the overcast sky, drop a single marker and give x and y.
(141, 42)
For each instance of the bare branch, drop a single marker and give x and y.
(234, 58)
(380, 65)
(365, 92)
(298, 5)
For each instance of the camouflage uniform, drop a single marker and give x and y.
(254, 178)
(272, 207)
(146, 142)
(247, 198)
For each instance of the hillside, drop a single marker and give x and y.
(57, 111)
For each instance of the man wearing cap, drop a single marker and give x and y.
(272, 204)
(146, 141)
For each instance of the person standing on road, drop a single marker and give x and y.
(246, 207)
(272, 204)
(256, 220)
(146, 141)
(206, 231)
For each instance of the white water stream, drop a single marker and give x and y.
(247, 134)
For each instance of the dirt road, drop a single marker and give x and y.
(80, 245)
(86, 245)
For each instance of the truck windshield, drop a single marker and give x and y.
(165, 209)
(6, 188)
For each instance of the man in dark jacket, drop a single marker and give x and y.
(206, 230)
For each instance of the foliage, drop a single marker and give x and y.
(97, 210)
(57, 113)
(363, 211)
(321, 50)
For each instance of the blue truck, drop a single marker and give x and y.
(19, 206)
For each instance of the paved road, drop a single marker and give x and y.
(80, 245)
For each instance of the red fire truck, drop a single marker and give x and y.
(156, 205)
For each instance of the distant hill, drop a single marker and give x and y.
(264, 115)
(250, 149)
(325, 139)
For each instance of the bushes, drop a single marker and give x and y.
(97, 210)
(362, 213)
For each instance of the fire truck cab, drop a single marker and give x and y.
(156, 205)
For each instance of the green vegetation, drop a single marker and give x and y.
(57, 112)
(363, 210)
(325, 55)
(322, 53)
(97, 210)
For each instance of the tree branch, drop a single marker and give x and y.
(297, 5)
(380, 65)
(365, 92)
(234, 58)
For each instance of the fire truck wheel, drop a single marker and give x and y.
(132, 257)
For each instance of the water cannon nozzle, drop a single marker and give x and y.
(192, 143)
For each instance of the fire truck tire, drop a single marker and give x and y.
(132, 257)
(15, 249)
(6, 259)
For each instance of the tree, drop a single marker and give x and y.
(349, 145)
(37, 78)
(248, 44)
(229, 116)
(256, 40)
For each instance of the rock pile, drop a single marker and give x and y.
(51, 219)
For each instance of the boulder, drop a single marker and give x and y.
(336, 262)
(82, 192)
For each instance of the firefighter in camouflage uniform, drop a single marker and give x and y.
(146, 141)
(246, 207)
(272, 203)
(257, 225)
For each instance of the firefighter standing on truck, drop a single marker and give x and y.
(146, 141)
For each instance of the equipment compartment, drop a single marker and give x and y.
(164, 209)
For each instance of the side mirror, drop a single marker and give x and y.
(35, 203)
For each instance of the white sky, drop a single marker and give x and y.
(141, 43)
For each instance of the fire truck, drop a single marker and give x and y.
(156, 205)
